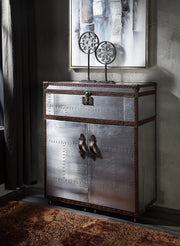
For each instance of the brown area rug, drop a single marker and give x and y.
(27, 224)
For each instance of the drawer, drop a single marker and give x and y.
(104, 107)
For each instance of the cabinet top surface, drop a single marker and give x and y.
(99, 84)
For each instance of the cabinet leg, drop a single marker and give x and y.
(84, 209)
(49, 202)
(135, 220)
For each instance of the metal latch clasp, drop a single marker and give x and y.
(87, 99)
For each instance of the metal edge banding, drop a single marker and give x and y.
(44, 125)
(90, 120)
(136, 152)
(94, 93)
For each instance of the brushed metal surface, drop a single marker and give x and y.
(112, 108)
(146, 166)
(91, 88)
(66, 169)
(107, 180)
(111, 175)
(146, 107)
(143, 89)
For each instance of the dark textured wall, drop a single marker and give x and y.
(2, 173)
(52, 23)
(1, 100)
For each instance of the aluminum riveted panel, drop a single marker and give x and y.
(111, 173)
(104, 107)
(147, 107)
(146, 89)
(66, 170)
(89, 88)
(147, 167)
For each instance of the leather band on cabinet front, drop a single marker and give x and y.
(100, 121)
(102, 93)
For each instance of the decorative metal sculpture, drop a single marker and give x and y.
(88, 44)
(105, 54)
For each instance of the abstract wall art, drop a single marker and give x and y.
(121, 22)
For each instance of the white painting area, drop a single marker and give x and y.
(121, 22)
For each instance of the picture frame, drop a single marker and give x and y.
(121, 22)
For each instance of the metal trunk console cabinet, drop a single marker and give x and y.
(100, 145)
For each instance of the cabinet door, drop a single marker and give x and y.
(66, 170)
(111, 172)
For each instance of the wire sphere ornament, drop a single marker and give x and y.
(88, 43)
(105, 54)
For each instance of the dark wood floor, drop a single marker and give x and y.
(156, 218)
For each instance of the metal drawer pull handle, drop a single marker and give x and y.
(83, 150)
(94, 150)
(92, 145)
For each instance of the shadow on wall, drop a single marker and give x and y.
(168, 139)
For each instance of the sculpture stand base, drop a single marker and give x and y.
(98, 82)
(89, 81)
(106, 82)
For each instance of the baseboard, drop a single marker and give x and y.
(166, 209)
(3, 191)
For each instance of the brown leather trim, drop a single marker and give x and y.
(146, 207)
(45, 168)
(44, 128)
(45, 84)
(102, 208)
(148, 84)
(100, 121)
(102, 93)
(146, 93)
(84, 204)
(44, 104)
(142, 122)
(94, 93)
(156, 146)
(90, 120)
(115, 85)
(136, 153)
